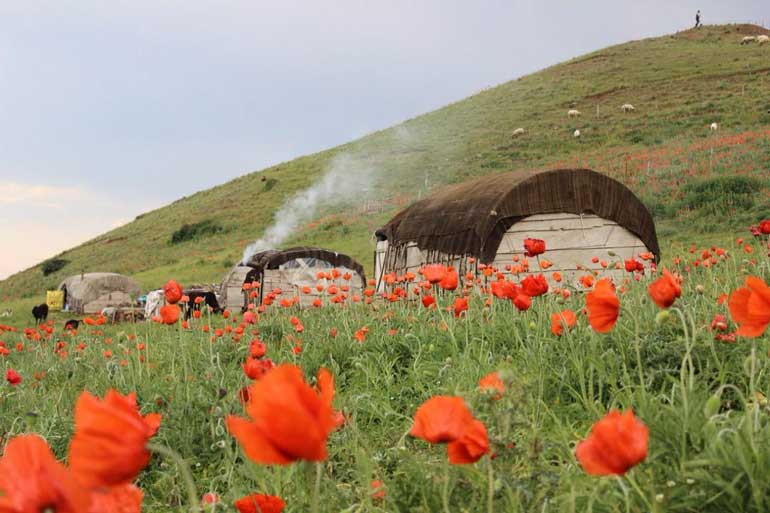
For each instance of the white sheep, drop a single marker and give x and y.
(763, 39)
(576, 133)
(573, 113)
(713, 127)
(748, 39)
(517, 132)
(627, 107)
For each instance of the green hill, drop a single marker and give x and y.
(695, 180)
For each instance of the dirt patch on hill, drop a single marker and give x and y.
(721, 31)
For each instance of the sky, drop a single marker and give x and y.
(110, 109)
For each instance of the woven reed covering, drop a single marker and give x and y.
(471, 218)
(272, 259)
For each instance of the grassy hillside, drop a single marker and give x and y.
(678, 83)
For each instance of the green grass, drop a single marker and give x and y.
(678, 83)
(709, 434)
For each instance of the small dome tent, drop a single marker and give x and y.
(91, 292)
(290, 270)
(578, 212)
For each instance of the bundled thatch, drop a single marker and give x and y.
(91, 292)
(471, 218)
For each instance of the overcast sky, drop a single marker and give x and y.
(108, 109)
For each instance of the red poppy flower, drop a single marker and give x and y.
(471, 446)
(492, 382)
(534, 286)
(441, 419)
(434, 273)
(108, 447)
(31, 480)
(12, 377)
(616, 443)
(289, 420)
(603, 306)
(260, 503)
(534, 247)
(169, 314)
(560, 320)
(460, 306)
(522, 302)
(428, 301)
(504, 289)
(633, 265)
(750, 307)
(124, 499)
(378, 489)
(665, 290)
(450, 280)
(764, 227)
(173, 292)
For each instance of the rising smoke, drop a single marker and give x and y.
(345, 179)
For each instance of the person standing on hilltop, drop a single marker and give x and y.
(697, 19)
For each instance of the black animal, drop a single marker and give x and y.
(209, 298)
(40, 313)
(72, 324)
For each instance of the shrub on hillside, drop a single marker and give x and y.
(196, 231)
(52, 265)
(722, 194)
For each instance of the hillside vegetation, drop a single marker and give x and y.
(664, 151)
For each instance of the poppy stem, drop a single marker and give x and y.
(316, 489)
(445, 491)
(184, 469)
(490, 486)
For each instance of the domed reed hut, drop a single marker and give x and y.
(578, 212)
(291, 270)
(91, 292)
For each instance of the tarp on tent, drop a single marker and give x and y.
(91, 292)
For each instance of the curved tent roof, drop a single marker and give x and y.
(273, 258)
(92, 291)
(471, 218)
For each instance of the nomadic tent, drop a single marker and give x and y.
(578, 212)
(290, 270)
(91, 292)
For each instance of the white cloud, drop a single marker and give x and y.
(38, 195)
(39, 221)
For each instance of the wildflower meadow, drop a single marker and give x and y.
(508, 390)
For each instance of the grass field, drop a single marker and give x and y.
(703, 400)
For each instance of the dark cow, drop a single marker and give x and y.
(72, 324)
(208, 298)
(40, 313)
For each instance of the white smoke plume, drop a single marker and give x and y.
(346, 179)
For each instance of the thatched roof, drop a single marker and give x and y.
(471, 218)
(273, 258)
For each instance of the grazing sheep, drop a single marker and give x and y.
(576, 133)
(713, 127)
(573, 113)
(7, 313)
(627, 107)
(763, 39)
(748, 39)
(517, 132)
